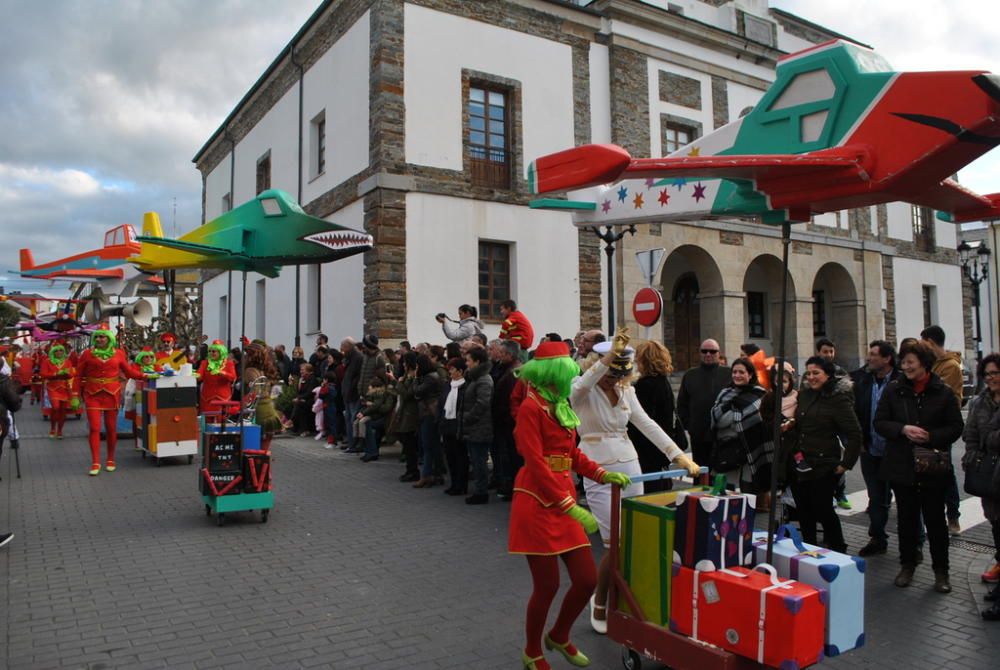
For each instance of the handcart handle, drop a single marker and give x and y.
(665, 474)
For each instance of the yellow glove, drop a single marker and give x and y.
(686, 463)
(619, 478)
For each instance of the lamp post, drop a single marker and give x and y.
(609, 237)
(975, 259)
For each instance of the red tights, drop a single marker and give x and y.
(110, 429)
(545, 584)
(57, 417)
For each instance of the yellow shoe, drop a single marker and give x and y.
(537, 663)
(111, 467)
(95, 470)
(569, 652)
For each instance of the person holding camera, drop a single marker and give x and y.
(466, 326)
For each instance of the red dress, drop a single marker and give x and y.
(544, 488)
(99, 380)
(57, 386)
(517, 327)
(216, 387)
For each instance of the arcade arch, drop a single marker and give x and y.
(691, 284)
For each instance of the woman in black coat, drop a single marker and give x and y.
(918, 410)
(654, 393)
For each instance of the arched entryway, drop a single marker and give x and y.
(691, 285)
(838, 314)
(762, 305)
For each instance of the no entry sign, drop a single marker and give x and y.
(647, 306)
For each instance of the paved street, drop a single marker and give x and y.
(353, 570)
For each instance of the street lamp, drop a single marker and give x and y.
(976, 268)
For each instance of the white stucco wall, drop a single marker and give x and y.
(910, 276)
(216, 186)
(600, 94)
(439, 46)
(739, 97)
(342, 292)
(442, 261)
(274, 132)
(338, 83)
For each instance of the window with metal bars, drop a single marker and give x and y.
(923, 227)
(494, 278)
(488, 136)
(264, 173)
(755, 314)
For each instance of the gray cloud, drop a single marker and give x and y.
(105, 103)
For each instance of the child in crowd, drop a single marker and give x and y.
(328, 393)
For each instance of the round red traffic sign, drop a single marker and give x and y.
(647, 306)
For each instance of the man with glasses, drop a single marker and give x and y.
(699, 388)
(587, 342)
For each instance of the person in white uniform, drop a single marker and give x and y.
(605, 402)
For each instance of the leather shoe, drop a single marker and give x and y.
(904, 577)
(368, 458)
(919, 557)
(993, 596)
(569, 652)
(599, 625)
(424, 483)
(409, 477)
(941, 583)
(993, 613)
(873, 548)
(477, 499)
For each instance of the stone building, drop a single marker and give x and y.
(416, 119)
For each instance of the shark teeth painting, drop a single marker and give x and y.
(340, 239)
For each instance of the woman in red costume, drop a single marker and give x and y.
(57, 373)
(98, 381)
(217, 374)
(545, 522)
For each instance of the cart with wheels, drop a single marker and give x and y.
(236, 474)
(642, 638)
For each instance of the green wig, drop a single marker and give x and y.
(142, 356)
(214, 367)
(552, 378)
(52, 351)
(103, 354)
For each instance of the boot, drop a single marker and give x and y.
(424, 483)
(993, 613)
(905, 576)
(993, 595)
(941, 583)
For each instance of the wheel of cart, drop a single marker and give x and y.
(641, 638)
(242, 490)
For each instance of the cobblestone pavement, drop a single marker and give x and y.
(353, 570)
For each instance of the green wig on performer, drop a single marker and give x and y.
(214, 365)
(53, 350)
(146, 360)
(108, 351)
(551, 373)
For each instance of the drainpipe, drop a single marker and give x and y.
(298, 268)
(229, 275)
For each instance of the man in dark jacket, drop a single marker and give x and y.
(869, 383)
(349, 386)
(476, 423)
(506, 461)
(700, 387)
(10, 401)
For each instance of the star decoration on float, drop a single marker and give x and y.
(695, 151)
(699, 192)
(649, 182)
(622, 194)
(664, 198)
(680, 182)
(606, 206)
(638, 201)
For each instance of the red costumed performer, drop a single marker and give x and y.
(217, 374)
(168, 356)
(545, 522)
(57, 373)
(98, 382)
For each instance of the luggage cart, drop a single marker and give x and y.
(236, 474)
(639, 637)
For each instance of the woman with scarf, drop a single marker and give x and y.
(546, 524)
(98, 381)
(259, 375)
(606, 404)
(455, 453)
(742, 447)
(57, 373)
(217, 374)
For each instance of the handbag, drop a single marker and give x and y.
(982, 474)
(931, 462)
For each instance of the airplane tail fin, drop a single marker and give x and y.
(151, 225)
(27, 260)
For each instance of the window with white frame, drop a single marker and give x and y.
(317, 143)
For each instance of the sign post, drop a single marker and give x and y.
(647, 307)
(649, 263)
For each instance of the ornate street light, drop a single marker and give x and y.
(975, 259)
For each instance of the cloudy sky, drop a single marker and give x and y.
(104, 103)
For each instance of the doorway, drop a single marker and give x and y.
(687, 322)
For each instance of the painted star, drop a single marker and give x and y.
(679, 183)
(622, 194)
(664, 198)
(638, 201)
(649, 182)
(695, 151)
(699, 191)
(606, 206)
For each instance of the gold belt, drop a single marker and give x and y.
(559, 463)
(101, 380)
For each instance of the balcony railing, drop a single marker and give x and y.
(489, 166)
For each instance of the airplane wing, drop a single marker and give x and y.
(596, 164)
(74, 275)
(958, 203)
(182, 245)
